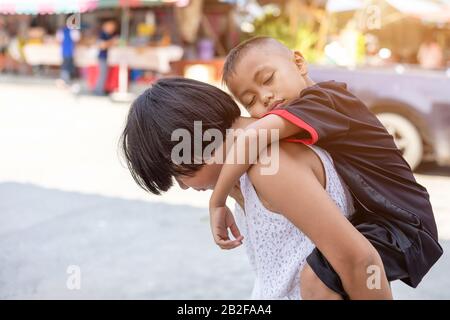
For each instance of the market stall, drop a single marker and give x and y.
(135, 49)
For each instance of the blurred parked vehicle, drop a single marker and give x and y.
(413, 105)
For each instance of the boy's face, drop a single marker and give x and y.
(265, 79)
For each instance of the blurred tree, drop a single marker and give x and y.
(303, 38)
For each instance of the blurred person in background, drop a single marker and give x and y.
(16, 56)
(35, 33)
(430, 55)
(4, 41)
(107, 39)
(372, 57)
(67, 37)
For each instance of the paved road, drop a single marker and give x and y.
(65, 200)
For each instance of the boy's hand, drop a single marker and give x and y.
(221, 219)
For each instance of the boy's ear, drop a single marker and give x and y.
(301, 63)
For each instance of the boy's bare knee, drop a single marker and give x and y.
(312, 288)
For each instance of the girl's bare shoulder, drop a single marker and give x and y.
(292, 157)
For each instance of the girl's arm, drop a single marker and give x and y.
(295, 192)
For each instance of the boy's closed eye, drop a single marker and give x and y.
(265, 78)
(269, 79)
(250, 104)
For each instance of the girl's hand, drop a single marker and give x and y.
(221, 220)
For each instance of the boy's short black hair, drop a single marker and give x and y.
(237, 52)
(170, 104)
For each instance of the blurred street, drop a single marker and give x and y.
(66, 199)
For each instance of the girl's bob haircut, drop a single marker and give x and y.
(171, 104)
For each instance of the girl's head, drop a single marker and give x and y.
(263, 74)
(173, 105)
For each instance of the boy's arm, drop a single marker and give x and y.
(320, 113)
(313, 113)
(260, 134)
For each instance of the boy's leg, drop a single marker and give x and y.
(312, 288)
(387, 239)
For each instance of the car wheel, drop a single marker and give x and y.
(406, 137)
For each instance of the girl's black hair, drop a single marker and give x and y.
(170, 104)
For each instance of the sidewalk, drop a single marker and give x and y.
(129, 250)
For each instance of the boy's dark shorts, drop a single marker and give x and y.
(406, 249)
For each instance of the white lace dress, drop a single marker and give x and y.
(276, 248)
